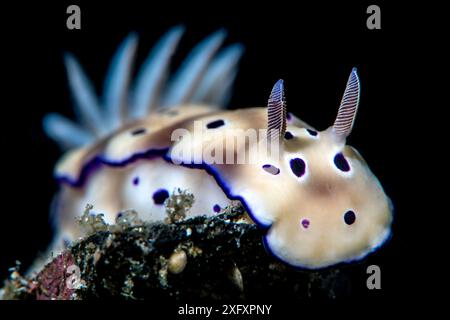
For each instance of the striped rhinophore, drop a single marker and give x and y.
(276, 112)
(349, 105)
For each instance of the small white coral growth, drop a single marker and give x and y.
(178, 205)
(91, 223)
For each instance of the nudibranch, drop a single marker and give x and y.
(316, 198)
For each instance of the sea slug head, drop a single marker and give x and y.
(326, 206)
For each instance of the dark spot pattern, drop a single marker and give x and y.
(216, 208)
(298, 167)
(288, 135)
(341, 163)
(215, 124)
(312, 132)
(349, 217)
(305, 223)
(271, 169)
(160, 196)
(136, 181)
(288, 116)
(138, 131)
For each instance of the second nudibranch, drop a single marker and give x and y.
(317, 199)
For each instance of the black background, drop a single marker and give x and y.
(311, 46)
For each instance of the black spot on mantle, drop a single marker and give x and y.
(215, 124)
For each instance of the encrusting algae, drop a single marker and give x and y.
(217, 258)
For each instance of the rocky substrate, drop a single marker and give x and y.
(219, 258)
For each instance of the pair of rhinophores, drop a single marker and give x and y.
(318, 202)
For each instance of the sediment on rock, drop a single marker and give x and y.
(218, 258)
